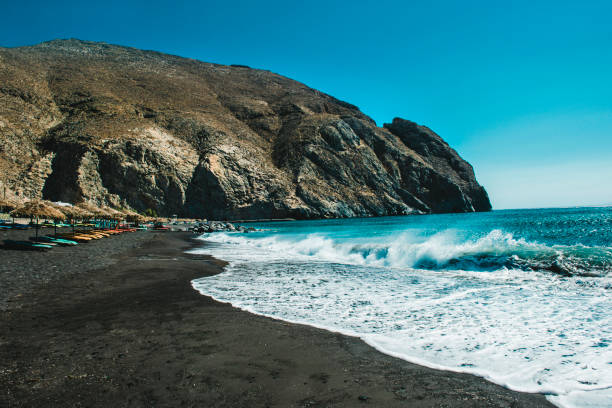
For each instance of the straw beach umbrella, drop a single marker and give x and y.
(113, 214)
(37, 209)
(94, 210)
(7, 204)
(133, 216)
(11, 203)
(73, 213)
(69, 211)
(59, 208)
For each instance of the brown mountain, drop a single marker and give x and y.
(141, 129)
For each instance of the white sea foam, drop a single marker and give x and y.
(403, 250)
(446, 249)
(530, 331)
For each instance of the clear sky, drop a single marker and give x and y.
(521, 89)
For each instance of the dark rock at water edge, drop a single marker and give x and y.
(219, 226)
(144, 130)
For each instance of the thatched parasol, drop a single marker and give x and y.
(37, 209)
(85, 215)
(8, 204)
(59, 208)
(133, 216)
(113, 214)
(70, 211)
(73, 213)
(93, 209)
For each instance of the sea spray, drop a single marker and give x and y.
(443, 250)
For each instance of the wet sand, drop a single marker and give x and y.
(132, 333)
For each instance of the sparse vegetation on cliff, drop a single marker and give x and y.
(144, 130)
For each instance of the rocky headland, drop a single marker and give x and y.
(143, 130)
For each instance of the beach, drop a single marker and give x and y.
(116, 322)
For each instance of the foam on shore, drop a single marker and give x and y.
(529, 330)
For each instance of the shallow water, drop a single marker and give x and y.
(520, 297)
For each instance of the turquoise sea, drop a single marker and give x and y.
(521, 297)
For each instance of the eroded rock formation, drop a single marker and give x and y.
(141, 129)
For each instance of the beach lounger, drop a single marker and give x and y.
(75, 237)
(53, 240)
(27, 245)
(35, 240)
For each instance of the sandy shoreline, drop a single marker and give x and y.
(131, 331)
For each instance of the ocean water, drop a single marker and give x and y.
(521, 297)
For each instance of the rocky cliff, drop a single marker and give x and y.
(141, 129)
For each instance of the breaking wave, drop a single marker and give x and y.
(445, 250)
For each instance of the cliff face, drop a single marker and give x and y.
(140, 129)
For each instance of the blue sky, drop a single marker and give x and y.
(521, 90)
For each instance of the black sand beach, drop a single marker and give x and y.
(116, 323)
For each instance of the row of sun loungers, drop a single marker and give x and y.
(47, 242)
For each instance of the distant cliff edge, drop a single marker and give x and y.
(140, 129)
